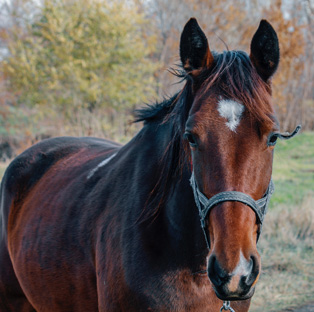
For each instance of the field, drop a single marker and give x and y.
(287, 241)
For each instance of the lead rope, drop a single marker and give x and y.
(226, 307)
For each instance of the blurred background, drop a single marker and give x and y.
(81, 68)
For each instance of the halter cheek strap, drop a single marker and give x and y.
(205, 204)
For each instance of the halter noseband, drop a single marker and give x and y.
(259, 206)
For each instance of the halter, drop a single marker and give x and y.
(259, 206)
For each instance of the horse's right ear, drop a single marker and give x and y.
(194, 50)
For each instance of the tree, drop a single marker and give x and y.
(288, 92)
(82, 55)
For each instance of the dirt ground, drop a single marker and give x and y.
(306, 308)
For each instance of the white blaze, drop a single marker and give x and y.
(232, 111)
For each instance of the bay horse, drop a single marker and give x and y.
(90, 225)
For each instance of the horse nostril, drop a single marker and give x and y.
(215, 273)
(211, 270)
(253, 271)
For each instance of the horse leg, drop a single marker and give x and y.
(12, 298)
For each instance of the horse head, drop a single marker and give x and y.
(231, 131)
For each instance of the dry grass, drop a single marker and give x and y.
(287, 249)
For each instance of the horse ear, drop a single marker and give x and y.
(265, 50)
(194, 50)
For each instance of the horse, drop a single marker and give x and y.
(168, 222)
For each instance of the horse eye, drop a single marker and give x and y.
(190, 137)
(272, 139)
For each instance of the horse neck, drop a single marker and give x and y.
(172, 220)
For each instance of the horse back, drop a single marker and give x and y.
(28, 168)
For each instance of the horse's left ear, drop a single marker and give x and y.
(265, 50)
(194, 49)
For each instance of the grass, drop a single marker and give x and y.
(287, 241)
(287, 250)
(293, 170)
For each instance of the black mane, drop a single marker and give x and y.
(156, 110)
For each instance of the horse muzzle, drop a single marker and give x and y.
(236, 285)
